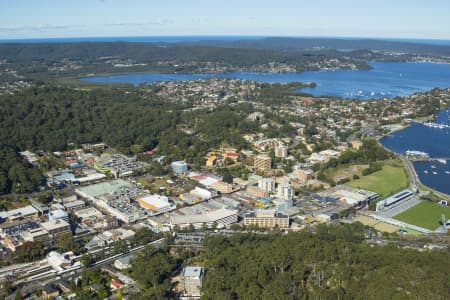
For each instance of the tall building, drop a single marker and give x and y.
(192, 282)
(262, 162)
(281, 151)
(285, 191)
(267, 184)
(266, 219)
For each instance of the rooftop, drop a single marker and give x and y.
(108, 187)
(193, 272)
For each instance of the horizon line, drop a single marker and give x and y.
(228, 35)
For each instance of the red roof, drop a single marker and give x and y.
(116, 284)
(232, 154)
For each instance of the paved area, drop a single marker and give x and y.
(400, 207)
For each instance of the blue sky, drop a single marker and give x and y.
(345, 18)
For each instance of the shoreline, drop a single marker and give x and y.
(408, 164)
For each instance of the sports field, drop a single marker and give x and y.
(425, 214)
(389, 180)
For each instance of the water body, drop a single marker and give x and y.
(434, 141)
(190, 38)
(384, 80)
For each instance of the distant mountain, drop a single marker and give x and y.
(296, 44)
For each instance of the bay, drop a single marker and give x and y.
(385, 80)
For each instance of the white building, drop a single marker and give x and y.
(267, 184)
(156, 203)
(192, 282)
(179, 167)
(285, 191)
(281, 151)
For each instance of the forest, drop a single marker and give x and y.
(54, 119)
(333, 263)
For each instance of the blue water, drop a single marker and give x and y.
(384, 80)
(175, 39)
(135, 39)
(434, 141)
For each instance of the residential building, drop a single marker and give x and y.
(281, 151)
(304, 175)
(267, 184)
(222, 187)
(262, 162)
(285, 191)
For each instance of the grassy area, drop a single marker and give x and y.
(390, 179)
(425, 214)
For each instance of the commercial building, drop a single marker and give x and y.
(179, 167)
(266, 219)
(56, 227)
(156, 203)
(191, 279)
(267, 184)
(262, 162)
(89, 215)
(58, 214)
(347, 195)
(116, 198)
(27, 212)
(118, 165)
(222, 217)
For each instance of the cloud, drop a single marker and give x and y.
(38, 28)
(160, 22)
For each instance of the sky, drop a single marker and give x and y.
(342, 18)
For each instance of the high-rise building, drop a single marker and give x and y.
(262, 162)
(285, 191)
(267, 184)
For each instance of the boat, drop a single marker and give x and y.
(434, 173)
(433, 167)
(447, 172)
(417, 153)
(442, 161)
(426, 172)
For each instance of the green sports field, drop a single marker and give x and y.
(425, 214)
(385, 182)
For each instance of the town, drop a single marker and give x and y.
(100, 208)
